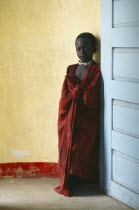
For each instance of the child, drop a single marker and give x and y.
(79, 117)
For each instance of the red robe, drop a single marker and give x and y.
(78, 127)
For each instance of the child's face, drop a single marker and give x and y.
(84, 49)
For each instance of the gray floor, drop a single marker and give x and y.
(38, 194)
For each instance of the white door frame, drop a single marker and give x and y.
(105, 148)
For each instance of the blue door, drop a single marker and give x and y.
(120, 75)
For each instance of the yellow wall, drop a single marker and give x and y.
(37, 44)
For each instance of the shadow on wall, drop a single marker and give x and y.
(97, 54)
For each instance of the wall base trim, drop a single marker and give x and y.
(29, 170)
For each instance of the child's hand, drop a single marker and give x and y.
(77, 92)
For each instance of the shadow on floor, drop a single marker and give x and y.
(85, 190)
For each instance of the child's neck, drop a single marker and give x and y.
(85, 63)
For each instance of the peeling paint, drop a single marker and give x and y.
(33, 169)
(1, 170)
(18, 171)
(29, 169)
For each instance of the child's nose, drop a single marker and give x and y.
(82, 51)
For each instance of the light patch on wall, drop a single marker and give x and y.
(20, 154)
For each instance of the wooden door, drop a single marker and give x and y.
(120, 75)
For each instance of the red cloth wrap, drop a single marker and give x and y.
(78, 127)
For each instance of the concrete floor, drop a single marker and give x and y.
(38, 194)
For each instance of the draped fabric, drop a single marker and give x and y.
(78, 127)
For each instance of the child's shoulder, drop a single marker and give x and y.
(71, 68)
(96, 64)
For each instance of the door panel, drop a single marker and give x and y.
(125, 91)
(126, 118)
(125, 63)
(125, 171)
(125, 144)
(124, 195)
(125, 13)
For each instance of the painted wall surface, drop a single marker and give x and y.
(37, 44)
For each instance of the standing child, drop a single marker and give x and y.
(79, 117)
